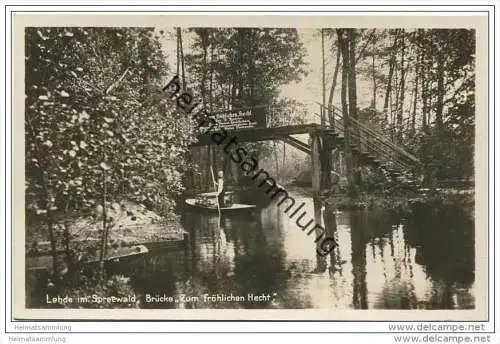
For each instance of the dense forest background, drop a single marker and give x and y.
(420, 85)
(97, 129)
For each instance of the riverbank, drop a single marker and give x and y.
(404, 201)
(130, 224)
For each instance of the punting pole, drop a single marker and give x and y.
(215, 187)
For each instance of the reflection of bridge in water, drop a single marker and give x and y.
(384, 261)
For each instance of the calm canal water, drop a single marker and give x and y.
(383, 261)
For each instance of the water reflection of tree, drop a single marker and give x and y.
(207, 264)
(444, 237)
(424, 262)
(378, 233)
(160, 278)
(236, 258)
(330, 225)
(259, 269)
(358, 224)
(399, 280)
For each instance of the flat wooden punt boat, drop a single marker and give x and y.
(235, 206)
(112, 255)
(214, 194)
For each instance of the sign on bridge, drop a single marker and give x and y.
(242, 119)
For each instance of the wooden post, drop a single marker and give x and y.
(317, 175)
(321, 147)
(326, 161)
(316, 163)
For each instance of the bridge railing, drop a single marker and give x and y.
(367, 138)
(387, 157)
(366, 144)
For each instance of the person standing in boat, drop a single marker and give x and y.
(221, 188)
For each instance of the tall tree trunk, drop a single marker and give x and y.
(388, 89)
(374, 78)
(394, 104)
(344, 50)
(323, 79)
(424, 92)
(353, 112)
(440, 92)
(180, 57)
(204, 43)
(353, 103)
(178, 53)
(402, 90)
(212, 157)
(251, 71)
(47, 202)
(211, 86)
(415, 93)
(67, 232)
(205, 40)
(331, 115)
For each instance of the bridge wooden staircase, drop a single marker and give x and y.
(369, 145)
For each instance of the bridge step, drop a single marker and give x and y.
(297, 144)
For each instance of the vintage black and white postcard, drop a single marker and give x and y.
(246, 167)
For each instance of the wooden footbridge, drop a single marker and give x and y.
(368, 145)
